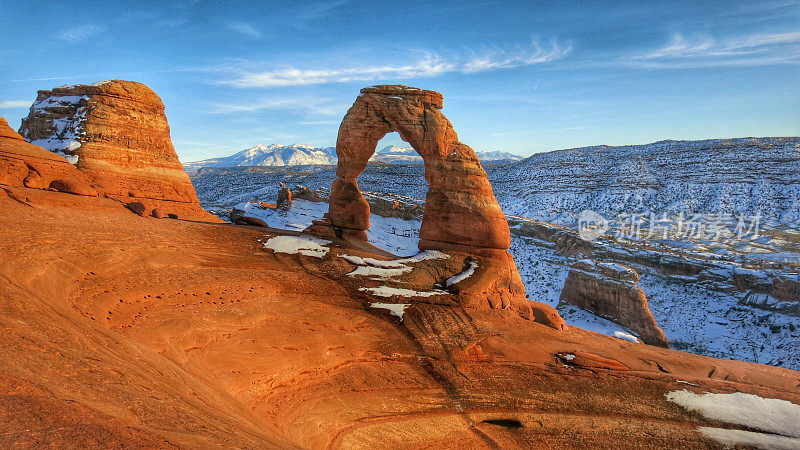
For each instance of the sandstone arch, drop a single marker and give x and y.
(462, 216)
(461, 210)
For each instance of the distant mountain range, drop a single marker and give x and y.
(277, 155)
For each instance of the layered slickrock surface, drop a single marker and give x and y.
(172, 333)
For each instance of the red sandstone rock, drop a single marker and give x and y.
(157, 334)
(115, 132)
(306, 194)
(265, 205)
(611, 290)
(73, 187)
(284, 198)
(26, 165)
(461, 216)
(137, 208)
(253, 221)
(546, 314)
(590, 361)
(460, 207)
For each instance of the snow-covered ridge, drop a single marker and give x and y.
(273, 155)
(737, 176)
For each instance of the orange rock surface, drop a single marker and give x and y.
(460, 206)
(119, 133)
(461, 213)
(23, 164)
(611, 290)
(165, 333)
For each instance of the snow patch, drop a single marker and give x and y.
(767, 414)
(381, 273)
(396, 309)
(728, 437)
(386, 291)
(463, 275)
(626, 336)
(304, 245)
(65, 132)
(377, 269)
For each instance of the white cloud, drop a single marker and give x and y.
(704, 51)
(314, 106)
(245, 29)
(430, 65)
(505, 60)
(10, 104)
(81, 33)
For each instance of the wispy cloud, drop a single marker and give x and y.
(309, 106)
(704, 51)
(81, 33)
(11, 104)
(430, 65)
(502, 59)
(245, 29)
(316, 11)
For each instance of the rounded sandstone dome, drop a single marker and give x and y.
(129, 90)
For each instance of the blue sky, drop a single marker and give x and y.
(522, 77)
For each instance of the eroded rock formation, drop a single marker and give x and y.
(117, 134)
(26, 165)
(284, 198)
(461, 214)
(611, 290)
(460, 209)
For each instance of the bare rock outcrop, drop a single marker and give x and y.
(26, 165)
(117, 134)
(611, 290)
(284, 197)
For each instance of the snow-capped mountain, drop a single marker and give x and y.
(397, 155)
(497, 156)
(277, 155)
(273, 155)
(407, 155)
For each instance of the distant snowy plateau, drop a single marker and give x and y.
(724, 296)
